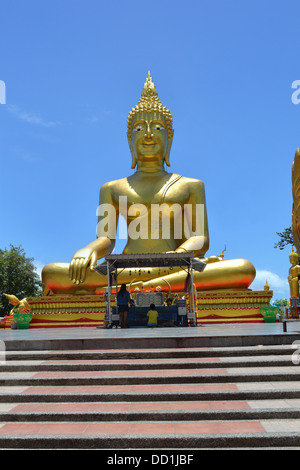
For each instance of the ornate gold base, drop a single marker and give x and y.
(57, 311)
(232, 306)
(61, 311)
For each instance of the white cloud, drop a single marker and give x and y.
(276, 283)
(29, 117)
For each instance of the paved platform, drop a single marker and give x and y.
(216, 335)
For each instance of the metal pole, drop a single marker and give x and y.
(192, 290)
(284, 326)
(109, 292)
(116, 302)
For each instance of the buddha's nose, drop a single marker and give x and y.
(148, 132)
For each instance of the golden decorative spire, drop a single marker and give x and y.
(150, 103)
(266, 286)
(149, 89)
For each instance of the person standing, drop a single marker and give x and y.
(123, 298)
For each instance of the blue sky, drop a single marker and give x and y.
(74, 68)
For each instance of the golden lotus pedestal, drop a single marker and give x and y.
(61, 311)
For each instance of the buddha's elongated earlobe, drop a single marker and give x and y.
(167, 161)
(134, 160)
(168, 149)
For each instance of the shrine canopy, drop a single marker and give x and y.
(114, 262)
(151, 260)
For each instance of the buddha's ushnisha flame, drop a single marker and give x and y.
(150, 103)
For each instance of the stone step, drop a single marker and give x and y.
(162, 406)
(147, 377)
(259, 350)
(141, 364)
(210, 336)
(209, 435)
(175, 393)
(149, 416)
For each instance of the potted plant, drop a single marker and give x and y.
(269, 313)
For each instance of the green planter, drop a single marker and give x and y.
(269, 313)
(22, 320)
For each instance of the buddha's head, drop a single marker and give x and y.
(150, 132)
(293, 257)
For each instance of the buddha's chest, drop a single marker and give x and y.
(294, 271)
(151, 191)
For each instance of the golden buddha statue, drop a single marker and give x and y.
(150, 136)
(294, 271)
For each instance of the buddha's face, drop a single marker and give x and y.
(149, 137)
(293, 259)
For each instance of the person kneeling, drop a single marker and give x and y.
(152, 316)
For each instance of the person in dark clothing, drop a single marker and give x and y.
(123, 299)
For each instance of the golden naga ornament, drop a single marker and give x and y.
(13, 300)
(136, 197)
(23, 305)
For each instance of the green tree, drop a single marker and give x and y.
(17, 277)
(286, 238)
(281, 303)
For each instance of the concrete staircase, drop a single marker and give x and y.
(212, 398)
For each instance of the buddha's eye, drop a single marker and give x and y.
(137, 128)
(158, 127)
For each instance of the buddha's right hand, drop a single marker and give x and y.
(81, 260)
